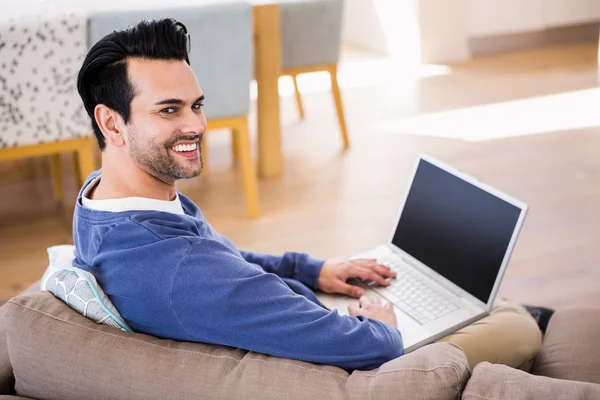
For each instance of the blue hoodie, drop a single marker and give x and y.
(173, 276)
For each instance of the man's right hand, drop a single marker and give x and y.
(372, 308)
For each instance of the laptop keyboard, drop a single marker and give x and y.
(413, 294)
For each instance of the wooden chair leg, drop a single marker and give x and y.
(335, 88)
(298, 97)
(247, 168)
(234, 148)
(84, 162)
(55, 171)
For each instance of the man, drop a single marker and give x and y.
(168, 272)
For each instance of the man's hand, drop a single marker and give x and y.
(372, 308)
(334, 275)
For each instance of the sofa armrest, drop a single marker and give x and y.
(570, 349)
(499, 382)
(7, 380)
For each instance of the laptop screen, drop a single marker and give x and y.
(457, 229)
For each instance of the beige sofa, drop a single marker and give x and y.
(48, 351)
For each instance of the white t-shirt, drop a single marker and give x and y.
(130, 203)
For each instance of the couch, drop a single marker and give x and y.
(49, 351)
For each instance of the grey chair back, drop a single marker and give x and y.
(221, 53)
(311, 32)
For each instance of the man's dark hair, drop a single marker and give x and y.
(103, 76)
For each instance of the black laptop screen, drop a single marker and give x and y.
(455, 228)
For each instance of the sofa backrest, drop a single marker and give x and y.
(499, 382)
(571, 349)
(56, 353)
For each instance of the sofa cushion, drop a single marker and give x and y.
(79, 289)
(499, 382)
(570, 349)
(7, 380)
(56, 353)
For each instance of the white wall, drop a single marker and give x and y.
(493, 17)
(562, 12)
(362, 26)
(498, 17)
(414, 30)
(439, 30)
(444, 31)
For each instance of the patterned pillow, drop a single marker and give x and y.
(78, 288)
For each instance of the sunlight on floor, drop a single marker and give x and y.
(364, 73)
(564, 111)
(369, 72)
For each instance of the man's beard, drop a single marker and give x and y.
(156, 158)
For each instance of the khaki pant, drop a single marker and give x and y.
(509, 335)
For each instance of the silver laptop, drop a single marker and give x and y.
(450, 247)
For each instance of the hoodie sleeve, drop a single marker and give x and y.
(219, 297)
(298, 266)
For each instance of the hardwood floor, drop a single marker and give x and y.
(526, 123)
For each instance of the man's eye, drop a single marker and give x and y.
(197, 106)
(168, 110)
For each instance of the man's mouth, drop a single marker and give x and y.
(188, 150)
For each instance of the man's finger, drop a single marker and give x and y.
(364, 260)
(364, 301)
(373, 265)
(367, 274)
(350, 290)
(384, 270)
(376, 300)
(354, 310)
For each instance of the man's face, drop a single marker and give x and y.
(165, 131)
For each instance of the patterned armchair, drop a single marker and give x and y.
(41, 113)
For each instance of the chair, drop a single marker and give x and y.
(221, 57)
(41, 113)
(311, 37)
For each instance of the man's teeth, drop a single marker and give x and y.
(185, 147)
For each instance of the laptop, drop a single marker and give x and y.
(450, 247)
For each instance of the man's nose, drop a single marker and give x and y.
(194, 123)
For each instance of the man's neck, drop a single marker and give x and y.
(130, 181)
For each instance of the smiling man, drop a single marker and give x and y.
(168, 272)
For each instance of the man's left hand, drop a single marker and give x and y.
(335, 274)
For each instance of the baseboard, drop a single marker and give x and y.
(583, 33)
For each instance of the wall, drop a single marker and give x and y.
(440, 30)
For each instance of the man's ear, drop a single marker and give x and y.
(110, 123)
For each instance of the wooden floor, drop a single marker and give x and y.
(526, 123)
